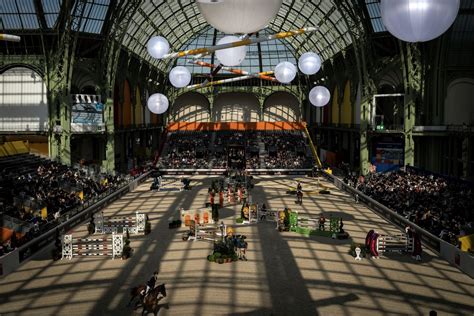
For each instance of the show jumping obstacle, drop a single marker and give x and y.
(396, 243)
(409, 243)
(109, 225)
(166, 184)
(92, 247)
(210, 233)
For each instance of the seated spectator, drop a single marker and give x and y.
(441, 205)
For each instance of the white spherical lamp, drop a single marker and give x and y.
(239, 16)
(231, 56)
(158, 103)
(180, 77)
(158, 47)
(285, 72)
(309, 63)
(418, 20)
(319, 96)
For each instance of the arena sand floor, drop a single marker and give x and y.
(286, 273)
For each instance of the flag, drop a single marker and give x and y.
(44, 212)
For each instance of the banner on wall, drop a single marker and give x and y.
(201, 216)
(87, 114)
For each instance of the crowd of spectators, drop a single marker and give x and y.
(223, 149)
(286, 150)
(42, 195)
(443, 206)
(187, 150)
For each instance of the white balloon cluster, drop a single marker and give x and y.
(319, 96)
(231, 56)
(309, 63)
(180, 77)
(285, 72)
(239, 16)
(418, 20)
(158, 47)
(158, 103)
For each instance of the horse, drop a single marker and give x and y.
(150, 301)
(299, 197)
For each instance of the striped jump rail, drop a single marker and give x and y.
(396, 243)
(108, 225)
(210, 233)
(78, 247)
(170, 184)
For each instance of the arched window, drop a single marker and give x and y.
(236, 107)
(23, 102)
(191, 107)
(281, 107)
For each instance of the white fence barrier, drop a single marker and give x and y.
(109, 225)
(92, 246)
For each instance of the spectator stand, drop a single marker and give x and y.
(112, 225)
(112, 247)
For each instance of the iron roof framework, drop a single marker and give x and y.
(179, 21)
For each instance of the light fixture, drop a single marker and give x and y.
(158, 103)
(309, 63)
(239, 16)
(180, 77)
(158, 47)
(319, 96)
(418, 20)
(285, 72)
(231, 56)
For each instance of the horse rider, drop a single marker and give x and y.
(299, 193)
(150, 285)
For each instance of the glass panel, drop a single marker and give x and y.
(51, 11)
(18, 15)
(373, 7)
(93, 15)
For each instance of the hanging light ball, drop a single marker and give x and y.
(231, 56)
(239, 16)
(158, 103)
(180, 77)
(319, 96)
(309, 63)
(285, 72)
(418, 20)
(158, 47)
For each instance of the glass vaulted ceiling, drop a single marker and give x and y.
(180, 21)
(22, 15)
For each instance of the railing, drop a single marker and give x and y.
(313, 148)
(14, 259)
(463, 260)
(222, 171)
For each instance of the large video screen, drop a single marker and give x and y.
(87, 116)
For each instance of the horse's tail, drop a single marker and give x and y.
(134, 291)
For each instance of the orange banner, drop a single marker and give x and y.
(235, 126)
